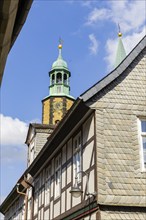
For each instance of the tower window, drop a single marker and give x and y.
(65, 79)
(59, 78)
(53, 79)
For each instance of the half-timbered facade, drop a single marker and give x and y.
(69, 149)
(104, 135)
(52, 185)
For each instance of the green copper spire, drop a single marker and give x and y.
(60, 63)
(59, 77)
(121, 54)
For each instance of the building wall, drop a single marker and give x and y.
(54, 109)
(121, 180)
(118, 215)
(52, 197)
(16, 210)
(37, 141)
(45, 111)
(69, 103)
(41, 139)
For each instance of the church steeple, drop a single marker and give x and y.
(121, 54)
(59, 100)
(59, 77)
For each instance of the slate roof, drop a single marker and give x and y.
(88, 94)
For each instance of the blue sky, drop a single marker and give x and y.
(89, 33)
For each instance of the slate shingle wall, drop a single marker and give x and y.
(41, 139)
(118, 215)
(120, 180)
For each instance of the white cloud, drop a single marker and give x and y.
(13, 131)
(111, 47)
(129, 42)
(87, 3)
(133, 39)
(13, 135)
(96, 15)
(93, 44)
(129, 14)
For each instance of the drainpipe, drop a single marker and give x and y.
(26, 200)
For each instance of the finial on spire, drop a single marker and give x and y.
(121, 54)
(119, 33)
(60, 43)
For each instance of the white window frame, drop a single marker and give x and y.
(58, 176)
(48, 186)
(31, 154)
(141, 135)
(77, 156)
(36, 196)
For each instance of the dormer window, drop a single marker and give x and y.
(59, 78)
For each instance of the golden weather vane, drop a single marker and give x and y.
(119, 29)
(60, 43)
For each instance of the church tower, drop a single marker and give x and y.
(59, 100)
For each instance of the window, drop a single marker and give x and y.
(47, 186)
(36, 195)
(143, 142)
(31, 154)
(59, 78)
(57, 176)
(77, 156)
(65, 79)
(53, 79)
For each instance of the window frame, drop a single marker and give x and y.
(141, 135)
(77, 155)
(36, 196)
(59, 78)
(57, 181)
(47, 186)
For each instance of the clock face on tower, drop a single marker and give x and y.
(58, 105)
